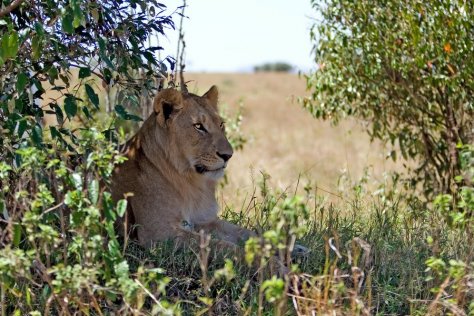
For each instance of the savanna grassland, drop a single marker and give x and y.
(372, 249)
(341, 230)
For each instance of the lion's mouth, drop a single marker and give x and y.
(202, 169)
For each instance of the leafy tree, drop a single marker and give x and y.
(107, 42)
(406, 67)
(58, 250)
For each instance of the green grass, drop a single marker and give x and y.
(391, 277)
(377, 252)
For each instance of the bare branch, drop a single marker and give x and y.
(182, 83)
(180, 53)
(10, 7)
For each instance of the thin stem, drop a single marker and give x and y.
(15, 4)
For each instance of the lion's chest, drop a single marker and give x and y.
(184, 203)
(199, 211)
(161, 205)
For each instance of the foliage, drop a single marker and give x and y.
(42, 42)
(452, 275)
(274, 67)
(58, 250)
(407, 68)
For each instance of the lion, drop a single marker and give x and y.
(173, 165)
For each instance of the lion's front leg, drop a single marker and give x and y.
(230, 236)
(226, 231)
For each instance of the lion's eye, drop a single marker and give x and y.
(200, 127)
(222, 126)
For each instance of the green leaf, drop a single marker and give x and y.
(70, 106)
(149, 56)
(107, 61)
(122, 113)
(59, 114)
(94, 191)
(101, 42)
(274, 289)
(67, 20)
(103, 52)
(77, 180)
(93, 97)
(39, 29)
(16, 234)
(9, 45)
(86, 112)
(77, 12)
(121, 207)
(84, 72)
(37, 135)
(22, 126)
(54, 132)
(36, 47)
(46, 292)
(107, 206)
(53, 74)
(21, 81)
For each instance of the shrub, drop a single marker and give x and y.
(274, 67)
(74, 47)
(407, 69)
(58, 250)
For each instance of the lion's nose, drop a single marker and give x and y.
(225, 157)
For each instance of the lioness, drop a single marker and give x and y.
(174, 163)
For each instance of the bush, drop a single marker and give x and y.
(74, 47)
(274, 67)
(58, 250)
(407, 69)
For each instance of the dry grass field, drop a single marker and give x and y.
(284, 140)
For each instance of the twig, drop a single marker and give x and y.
(150, 295)
(334, 247)
(52, 209)
(295, 305)
(15, 4)
(432, 306)
(2, 299)
(180, 53)
(182, 83)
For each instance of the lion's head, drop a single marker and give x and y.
(194, 136)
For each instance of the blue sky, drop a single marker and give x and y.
(235, 35)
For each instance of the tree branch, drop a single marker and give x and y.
(15, 4)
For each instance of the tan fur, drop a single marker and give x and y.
(172, 170)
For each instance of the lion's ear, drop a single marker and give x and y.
(167, 104)
(212, 96)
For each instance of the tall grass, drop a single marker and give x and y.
(383, 252)
(369, 255)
